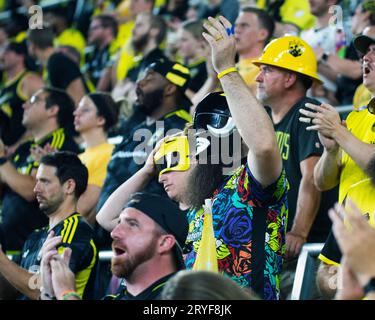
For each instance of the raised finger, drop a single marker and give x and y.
(51, 243)
(305, 120)
(48, 256)
(225, 22)
(212, 31)
(312, 106)
(218, 26)
(308, 113)
(315, 127)
(209, 38)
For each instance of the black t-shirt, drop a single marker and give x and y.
(11, 111)
(297, 144)
(96, 61)
(77, 235)
(61, 71)
(153, 292)
(20, 217)
(198, 75)
(130, 155)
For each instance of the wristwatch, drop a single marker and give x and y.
(3, 160)
(370, 286)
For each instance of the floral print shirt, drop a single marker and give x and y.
(249, 225)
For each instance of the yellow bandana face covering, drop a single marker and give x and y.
(173, 155)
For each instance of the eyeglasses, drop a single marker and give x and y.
(371, 106)
(34, 99)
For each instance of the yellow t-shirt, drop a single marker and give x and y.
(248, 71)
(362, 97)
(363, 195)
(295, 12)
(71, 37)
(96, 160)
(362, 125)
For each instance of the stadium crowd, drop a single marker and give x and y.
(216, 136)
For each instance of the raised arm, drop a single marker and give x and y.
(108, 215)
(251, 119)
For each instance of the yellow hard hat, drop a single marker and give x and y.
(291, 53)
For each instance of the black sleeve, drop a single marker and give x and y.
(331, 251)
(61, 71)
(70, 145)
(82, 251)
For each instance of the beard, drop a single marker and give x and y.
(49, 207)
(150, 101)
(203, 181)
(124, 268)
(140, 43)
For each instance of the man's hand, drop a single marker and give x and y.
(63, 278)
(324, 118)
(294, 243)
(47, 252)
(348, 286)
(223, 46)
(356, 239)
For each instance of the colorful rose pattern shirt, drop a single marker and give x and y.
(249, 226)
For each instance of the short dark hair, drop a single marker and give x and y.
(107, 21)
(265, 20)
(158, 22)
(68, 166)
(195, 27)
(42, 38)
(59, 97)
(305, 81)
(106, 107)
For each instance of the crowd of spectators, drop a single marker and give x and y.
(120, 118)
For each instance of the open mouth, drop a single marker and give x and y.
(366, 69)
(118, 251)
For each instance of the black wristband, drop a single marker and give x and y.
(3, 160)
(370, 286)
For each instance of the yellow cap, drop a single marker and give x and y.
(291, 53)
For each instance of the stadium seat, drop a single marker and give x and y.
(304, 284)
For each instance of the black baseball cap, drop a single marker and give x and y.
(167, 215)
(361, 43)
(174, 72)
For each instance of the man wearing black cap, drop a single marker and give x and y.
(347, 152)
(146, 245)
(20, 85)
(161, 97)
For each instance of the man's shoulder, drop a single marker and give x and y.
(301, 102)
(177, 118)
(73, 226)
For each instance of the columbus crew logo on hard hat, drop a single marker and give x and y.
(296, 48)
